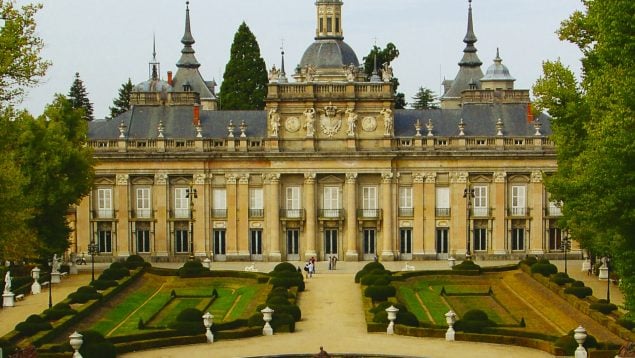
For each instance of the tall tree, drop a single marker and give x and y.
(593, 125)
(121, 104)
(425, 99)
(378, 56)
(21, 66)
(79, 98)
(245, 80)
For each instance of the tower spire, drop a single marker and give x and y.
(187, 59)
(329, 20)
(154, 64)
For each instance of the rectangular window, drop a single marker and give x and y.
(443, 201)
(518, 200)
(219, 203)
(143, 241)
(329, 24)
(181, 241)
(181, 203)
(256, 202)
(518, 239)
(480, 204)
(442, 242)
(104, 203)
(405, 201)
(480, 239)
(293, 202)
(555, 208)
(219, 242)
(331, 201)
(337, 24)
(405, 242)
(293, 241)
(105, 241)
(369, 201)
(143, 201)
(255, 246)
(321, 24)
(555, 239)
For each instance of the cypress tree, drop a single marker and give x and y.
(79, 98)
(245, 80)
(121, 104)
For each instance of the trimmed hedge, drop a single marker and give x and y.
(193, 269)
(285, 267)
(474, 321)
(102, 285)
(134, 262)
(626, 323)
(380, 293)
(84, 294)
(96, 346)
(375, 279)
(603, 306)
(579, 292)
(545, 269)
(33, 324)
(467, 265)
(58, 311)
(189, 322)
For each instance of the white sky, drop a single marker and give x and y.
(109, 41)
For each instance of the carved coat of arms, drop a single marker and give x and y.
(330, 120)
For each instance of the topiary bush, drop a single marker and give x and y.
(545, 269)
(189, 322)
(626, 323)
(380, 293)
(530, 260)
(58, 311)
(103, 284)
(375, 267)
(375, 279)
(96, 346)
(569, 345)
(134, 262)
(193, 269)
(603, 306)
(467, 265)
(84, 294)
(561, 278)
(116, 271)
(579, 292)
(577, 284)
(32, 325)
(285, 266)
(474, 321)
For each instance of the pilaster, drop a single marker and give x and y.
(309, 204)
(387, 234)
(499, 199)
(199, 215)
(161, 202)
(429, 214)
(272, 207)
(122, 243)
(418, 247)
(242, 224)
(458, 183)
(351, 217)
(535, 237)
(232, 216)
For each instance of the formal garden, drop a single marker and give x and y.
(134, 306)
(530, 304)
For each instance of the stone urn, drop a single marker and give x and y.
(76, 341)
(36, 288)
(208, 320)
(450, 319)
(580, 336)
(392, 316)
(267, 314)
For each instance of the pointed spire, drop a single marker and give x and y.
(498, 58)
(470, 37)
(154, 64)
(470, 58)
(375, 76)
(187, 54)
(283, 75)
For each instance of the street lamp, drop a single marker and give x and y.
(51, 284)
(608, 279)
(191, 193)
(468, 194)
(93, 249)
(565, 246)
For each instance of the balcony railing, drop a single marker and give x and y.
(368, 213)
(554, 211)
(406, 212)
(292, 214)
(181, 213)
(104, 214)
(442, 212)
(480, 212)
(141, 214)
(518, 211)
(332, 213)
(219, 213)
(256, 213)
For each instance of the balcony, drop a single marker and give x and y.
(406, 212)
(181, 214)
(481, 212)
(368, 213)
(331, 214)
(292, 214)
(518, 212)
(141, 214)
(553, 210)
(256, 213)
(103, 214)
(219, 213)
(442, 212)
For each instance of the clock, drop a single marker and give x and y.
(369, 124)
(292, 124)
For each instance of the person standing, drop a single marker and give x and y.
(311, 269)
(333, 262)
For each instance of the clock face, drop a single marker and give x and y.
(369, 124)
(292, 124)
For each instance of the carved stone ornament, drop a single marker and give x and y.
(386, 177)
(161, 179)
(431, 177)
(536, 177)
(418, 178)
(292, 124)
(459, 177)
(351, 178)
(272, 178)
(309, 178)
(199, 178)
(369, 124)
(122, 179)
(231, 178)
(330, 120)
(243, 179)
(499, 177)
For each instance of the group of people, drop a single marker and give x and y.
(310, 266)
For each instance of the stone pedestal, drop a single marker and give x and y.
(8, 299)
(36, 288)
(55, 277)
(604, 273)
(586, 265)
(73, 269)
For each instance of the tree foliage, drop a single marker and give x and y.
(593, 123)
(380, 56)
(121, 104)
(79, 98)
(245, 80)
(21, 66)
(425, 99)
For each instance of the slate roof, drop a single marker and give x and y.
(142, 122)
(329, 53)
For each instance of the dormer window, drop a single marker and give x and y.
(187, 87)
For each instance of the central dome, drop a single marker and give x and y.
(329, 53)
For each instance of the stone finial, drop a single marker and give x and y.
(161, 129)
(418, 128)
(243, 128)
(430, 127)
(537, 126)
(230, 129)
(199, 131)
(499, 127)
(461, 127)
(122, 130)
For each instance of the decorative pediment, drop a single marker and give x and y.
(104, 181)
(180, 181)
(481, 179)
(331, 179)
(518, 179)
(142, 180)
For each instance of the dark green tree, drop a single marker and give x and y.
(79, 98)
(57, 167)
(121, 104)
(425, 99)
(245, 80)
(21, 66)
(593, 123)
(378, 56)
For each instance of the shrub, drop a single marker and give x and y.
(256, 320)
(373, 266)
(569, 345)
(118, 265)
(579, 292)
(543, 260)
(603, 307)
(407, 319)
(190, 315)
(103, 284)
(626, 323)
(193, 269)
(467, 265)
(285, 266)
(561, 278)
(474, 321)
(189, 322)
(380, 293)
(545, 269)
(134, 261)
(288, 282)
(96, 346)
(280, 322)
(114, 273)
(291, 309)
(373, 279)
(277, 300)
(32, 325)
(383, 305)
(530, 260)
(58, 311)
(475, 315)
(84, 294)
(577, 284)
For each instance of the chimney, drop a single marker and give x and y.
(170, 82)
(530, 114)
(197, 115)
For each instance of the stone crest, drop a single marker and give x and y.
(369, 124)
(330, 120)
(292, 124)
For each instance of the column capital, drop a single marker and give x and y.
(351, 178)
(386, 177)
(499, 177)
(122, 179)
(459, 177)
(418, 178)
(161, 178)
(243, 179)
(536, 176)
(431, 177)
(231, 178)
(272, 178)
(200, 178)
(309, 178)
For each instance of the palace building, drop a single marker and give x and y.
(329, 168)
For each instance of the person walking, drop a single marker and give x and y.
(311, 269)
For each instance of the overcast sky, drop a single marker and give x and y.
(109, 41)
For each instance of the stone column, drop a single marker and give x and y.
(161, 205)
(309, 205)
(387, 252)
(121, 247)
(272, 210)
(351, 217)
(232, 209)
(429, 214)
(199, 215)
(535, 237)
(243, 216)
(499, 198)
(418, 246)
(458, 204)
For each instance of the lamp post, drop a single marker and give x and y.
(191, 194)
(468, 194)
(566, 246)
(93, 249)
(51, 284)
(608, 279)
